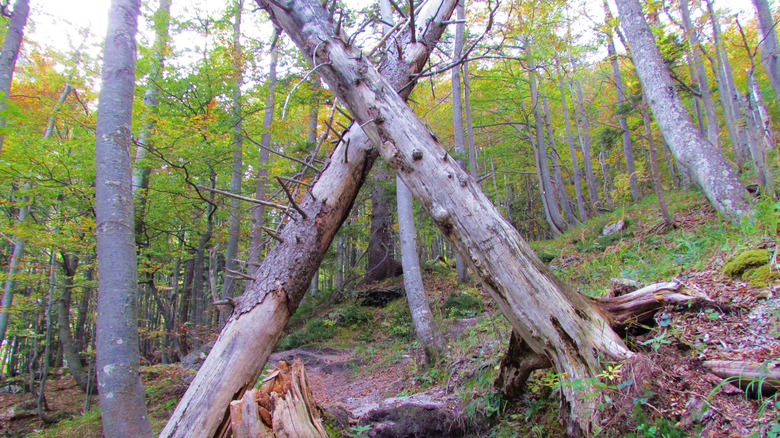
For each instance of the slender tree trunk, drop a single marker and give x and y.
(422, 317)
(628, 150)
(10, 53)
(757, 148)
(768, 44)
(548, 192)
(585, 146)
(381, 264)
(69, 348)
(252, 331)
(706, 163)
(659, 190)
(564, 198)
(256, 238)
(575, 168)
(122, 404)
(13, 267)
(457, 114)
(41, 401)
(701, 75)
(469, 124)
(237, 170)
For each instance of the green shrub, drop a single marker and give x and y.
(316, 330)
(352, 315)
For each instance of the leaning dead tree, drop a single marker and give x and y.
(261, 313)
(551, 317)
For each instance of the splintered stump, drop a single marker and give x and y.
(283, 407)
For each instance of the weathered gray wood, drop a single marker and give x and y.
(550, 316)
(707, 165)
(245, 417)
(754, 378)
(250, 334)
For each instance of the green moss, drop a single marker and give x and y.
(752, 258)
(760, 277)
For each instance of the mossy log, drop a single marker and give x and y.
(283, 407)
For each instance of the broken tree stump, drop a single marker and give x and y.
(283, 407)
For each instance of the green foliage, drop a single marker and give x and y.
(753, 258)
(316, 330)
(352, 316)
(462, 305)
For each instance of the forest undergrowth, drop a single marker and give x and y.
(667, 392)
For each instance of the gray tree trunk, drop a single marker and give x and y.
(469, 124)
(585, 146)
(768, 44)
(659, 190)
(256, 237)
(69, 348)
(575, 168)
(548, 192)
(422, 317)
(701, 74)
(628, 150)
(10, 53)
(381, 264)
(757, 143)
(122, 404)
(457, 115)
(559, 184)
(706, 163)
(237, 169)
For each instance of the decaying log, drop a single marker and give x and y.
(641, 305)
(754, 378)
(261, 313)
(283, 407)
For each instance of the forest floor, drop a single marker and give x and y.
(367, 371)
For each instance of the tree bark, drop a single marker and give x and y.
(701, 74)
(258, 211)
(69, 348)
(768, 44)
(550, 316)
(469, 124)
(706, 163)
(585, 146)
(10, 53)
(563, 197)
(242, 349)
(381, 264)
(237, 169)
(123, 408)
(628, 150)
(659, 190)
(457, 114)
(575, 168)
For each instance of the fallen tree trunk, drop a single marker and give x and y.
(283, 407)
(756, 379)
(551, 317)
(261, 313)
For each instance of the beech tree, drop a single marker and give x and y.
(707, 164)
(768, 46)
(123, 408)
(10, 53)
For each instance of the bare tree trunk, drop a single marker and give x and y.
(707, 164)
(10, 53)
(122, 404)
(564, 198)
(256, 238)
(701, 74)
(41, 401)
(381, 264)
(69, 349)
(768, 44)
(628, 150)
(545, 185)
(575, 168)
(659, 190)
(422, 317)
(585, 146)
(237, 169)
(757, 148)
(469, 125)
(457, 114)
(239, 355)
